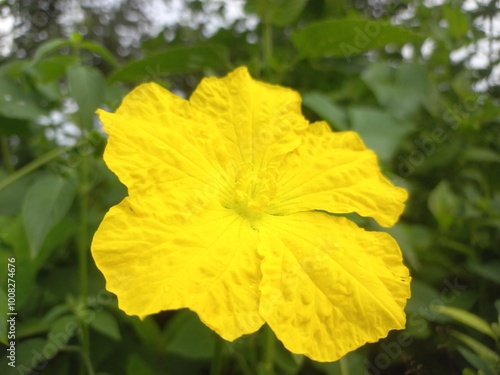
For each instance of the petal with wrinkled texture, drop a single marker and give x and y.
(261, 121)
(334, 172)
(328, 286)
(157, 256)
(157, 137)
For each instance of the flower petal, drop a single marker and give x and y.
(262, 122)
(328, 287)
(160, 256)
(334, 172)
(156, 132)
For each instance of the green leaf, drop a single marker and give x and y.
(490, 270)
(326, 109)
(87, 87)
(105, 323)
(49, 47)
(277, 12)
(467, 318)
(147, 330)
(400, 90)
(137, 365)
(444, 204)
(476, 361)
(62, 330)
(101, 51)
(458, 22)
(9, 126)
(45, 204)
(480, 349)
(12, 197)
(172, 61)
(179, 335)
(347, 37)
(17, 102)
(379, 130)
(479, 154)
(29, 354)
(50, 69)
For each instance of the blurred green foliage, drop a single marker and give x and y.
(382, 69)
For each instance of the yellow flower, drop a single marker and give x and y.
(228, 213)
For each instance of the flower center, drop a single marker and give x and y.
(253, 190)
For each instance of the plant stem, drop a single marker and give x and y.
(217, 358)
(85, 358)
(269, 348)
(344, 367)
(28, 168)
(6, 154)
(82, 248)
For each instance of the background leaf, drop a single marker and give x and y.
(45, 204)
(347, 37)
(277, 12)
(86, 86)
(174, 60)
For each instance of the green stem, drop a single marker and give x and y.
(6, 154)
(344, 367)
(83, 247)
(269, 348)
(217, 358)
(85, 358)
(35, 164)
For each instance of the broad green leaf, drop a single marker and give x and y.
(458, 22)
(86, 86)
(467, 318)
(17, 102)
(400, 90)
(10, 126)
(29, 354)
(490, 270)
(406, 236)
(12, 197)
(480, 349)
(60, 233)
(45, 204)
(326, 109)
(106, 324)
(49, 47)
(179, 335)
(379, 130)
(50, 69)
(174, 60)
(347, 37)
(277, 12)
(137, 365)
(444, 204)
(422, 296)
(147, 330)
(62, 330)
